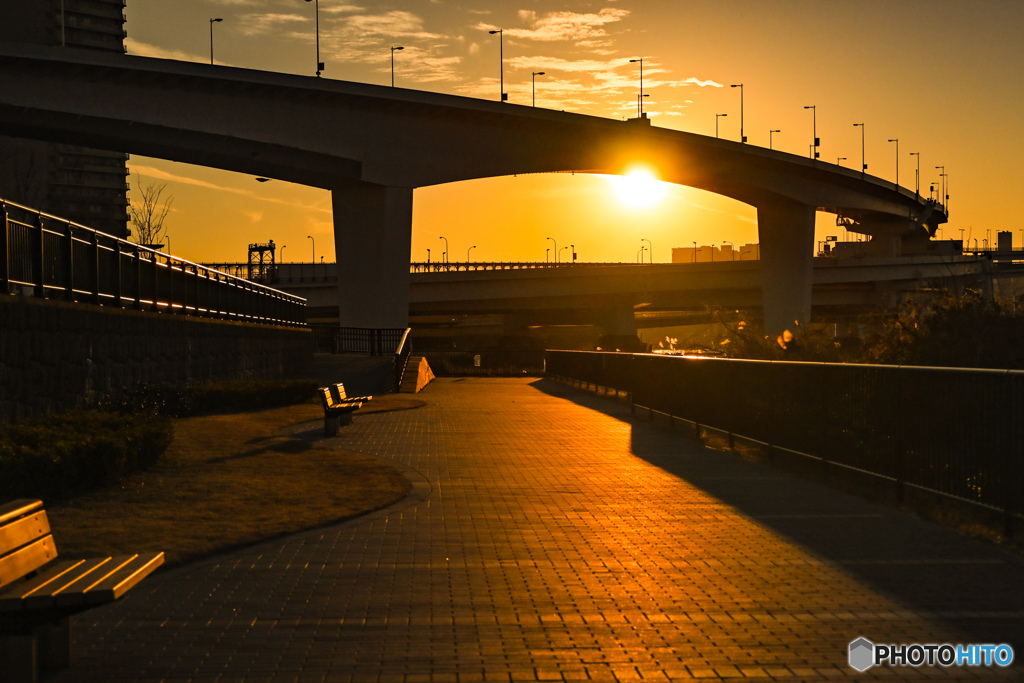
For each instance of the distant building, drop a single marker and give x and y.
(85, 185)
(707, 254)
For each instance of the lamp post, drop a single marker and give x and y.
(650, 248)
(314, 246)
(897, 141)
(917, 174)
(638, 102)
(814, 130)
(770, 132)
(556, 248)
(718, 116)
(944, 189)
(444, 255)
(469, 250)
(559, 255)
(534, 88)
(501, 60)
(863, 163)
(400, 47)
(572, 251)
(282, 252)
(640, 255)
(695, 252)
(732, 248)
(640, 109)
(212, 22)
(743, 138)
(547, 255)
(319, 64)
(838, 159)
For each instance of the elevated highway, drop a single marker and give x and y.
(372, 145)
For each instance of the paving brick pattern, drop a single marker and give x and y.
(552, 536)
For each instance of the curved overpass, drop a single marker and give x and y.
(372, 145)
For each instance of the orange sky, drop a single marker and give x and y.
(942, 76)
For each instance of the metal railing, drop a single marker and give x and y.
(402, 354)
(491, 363)
(955, 432)
(49, 257)
(363, 340)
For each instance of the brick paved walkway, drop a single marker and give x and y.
(552, 537)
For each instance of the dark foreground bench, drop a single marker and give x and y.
(338, 407)
(39, 593)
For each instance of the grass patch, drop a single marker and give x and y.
(227, 481)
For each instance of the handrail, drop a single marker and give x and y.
(79, 264)
(402, 354)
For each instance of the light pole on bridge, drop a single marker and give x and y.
(718, 116)
(743, 138)
(534, 88)
(469, 250)
(863, 161)
(501, 60)
(556, 248)
(640, 105)
(650, 249)
(770, 132)
(212, 22)
(400, 47)
(314, 246)
(444, 256)
(897, 141)
(917, 174)
(319, 64)
(815, 142)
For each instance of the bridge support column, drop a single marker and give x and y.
(786, 233)
(372, 241)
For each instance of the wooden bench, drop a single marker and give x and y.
(338, 407)
(39, 593)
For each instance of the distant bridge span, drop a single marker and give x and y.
(372, 145)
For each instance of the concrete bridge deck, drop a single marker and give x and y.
(551, 536)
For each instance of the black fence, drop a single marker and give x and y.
(49, 257)
(955, 432)
(497, 363)
(362, 340)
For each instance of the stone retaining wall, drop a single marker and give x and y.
(55, 356)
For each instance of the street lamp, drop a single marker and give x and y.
(282, 252)
(838, 159)
(650, 249)
(695, 252)
(212, 22)
(638, 102)
(444, 255)
(917, 175)
(558, 257)
(501, 60)
(814, 129)
(743, 138)
(943, 182)
(314, 246)
(640, 255)
(469, 250)
(573, 252)
(712, 252)
(534, 89)
(319, 64)
(897, 141)
(556, 248)
(393, 63)
(718, 116)
(770, 137)
(640, 109)
(732, 248)
(547, 255)
(863, 165)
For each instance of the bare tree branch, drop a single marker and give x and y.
(148, 214)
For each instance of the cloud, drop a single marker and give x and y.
(141, 49)
(583, 29)
(397, 24)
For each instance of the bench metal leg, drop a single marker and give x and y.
(345, 418)
(46, 650)
(330, 425)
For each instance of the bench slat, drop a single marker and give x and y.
(23, 531)
(17, 508)
(127, 575)
(15, 565)
(11, 599)
(79, 576)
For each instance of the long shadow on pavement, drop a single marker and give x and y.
(974, 586)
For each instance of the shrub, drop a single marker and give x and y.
(217, 397)
(58, 456)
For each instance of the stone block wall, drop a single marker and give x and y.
(55, 356)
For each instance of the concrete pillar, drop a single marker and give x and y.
(372, 240)
(786, 233)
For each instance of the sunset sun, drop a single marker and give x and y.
(638, 188)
